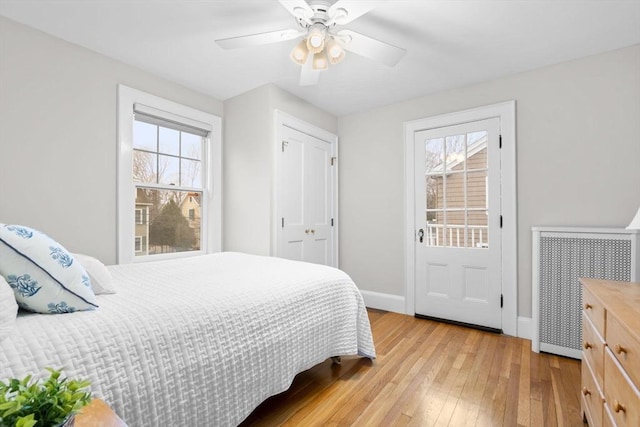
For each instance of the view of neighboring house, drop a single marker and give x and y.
(142, 223)
(190, 208)
(462, 174)
(149, 204)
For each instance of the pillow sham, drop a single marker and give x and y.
(8, 309)
(101, 280)
(44, 277)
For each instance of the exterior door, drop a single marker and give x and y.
(457, 202)
(306, 198)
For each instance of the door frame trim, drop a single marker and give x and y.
(282, 119)
(506, 112)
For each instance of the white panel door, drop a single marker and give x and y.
(457, 200)
(306, 198)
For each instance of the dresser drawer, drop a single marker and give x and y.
(622, 397)
(607, 418)
(592, 347)
(593, 309)
(624, 347)
(592, 401)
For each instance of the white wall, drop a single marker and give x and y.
(249, 161)
(578, 161)
(58, 136)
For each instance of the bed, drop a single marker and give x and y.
(197, 341)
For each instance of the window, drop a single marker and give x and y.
(141, 216)
(169, 178)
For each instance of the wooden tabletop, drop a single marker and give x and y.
(96, 414)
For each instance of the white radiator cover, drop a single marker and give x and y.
(561, 255)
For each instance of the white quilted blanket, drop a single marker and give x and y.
(197, 341)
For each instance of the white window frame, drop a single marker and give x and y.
(135, 242)
(211, 214)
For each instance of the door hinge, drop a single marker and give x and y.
(332, 222)
(333, 160)
(501, 301)
(282, 222)
(499, 141)
(500, 221)
(284, 144)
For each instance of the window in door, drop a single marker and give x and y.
(457, 191)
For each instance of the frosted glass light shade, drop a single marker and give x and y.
(635, 222)
(335, 52)
(320, 61)
(315, 38)
(300, 53)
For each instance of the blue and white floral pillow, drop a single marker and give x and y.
(44, 276)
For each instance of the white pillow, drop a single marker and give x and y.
(101, 280)
(8, 309)
(45, 278)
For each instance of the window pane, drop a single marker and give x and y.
(434, 233)
(168, 170)
(477, 150)
(169, 141)
(455, 228)
(434, 153)
(455, 149)
(191, 146)
(190, 173)
(478, 229)
(174, 223)
(145, 136)
(434, 192)
(477, 189)
(455, 190)
(144, 166)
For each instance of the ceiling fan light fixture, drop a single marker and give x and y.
(335, 52)
(320, 61)
(300, 53)
(315, 38)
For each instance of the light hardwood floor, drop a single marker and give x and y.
(429, 373)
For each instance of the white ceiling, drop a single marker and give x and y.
(449, 43)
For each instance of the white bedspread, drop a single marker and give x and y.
(197, 341)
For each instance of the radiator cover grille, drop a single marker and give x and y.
(562, 261)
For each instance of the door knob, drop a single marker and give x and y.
(421, 235)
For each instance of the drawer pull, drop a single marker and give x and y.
(617, 406)
(620, 349)
(587, 306)
(587, 345)
(586, 391)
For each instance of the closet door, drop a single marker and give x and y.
(305, 198)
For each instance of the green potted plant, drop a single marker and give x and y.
(46, 403)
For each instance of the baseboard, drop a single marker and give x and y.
(388, 302)
(524, 328)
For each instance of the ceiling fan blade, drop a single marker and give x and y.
(353, 8)
(309, 76)
(258, 39)
(299, 9)
(371, 48)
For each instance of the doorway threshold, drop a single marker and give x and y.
(466, 325)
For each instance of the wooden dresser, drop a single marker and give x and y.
(611, 353)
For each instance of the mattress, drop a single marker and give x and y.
(197, 341)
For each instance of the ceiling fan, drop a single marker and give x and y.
(322, 43)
